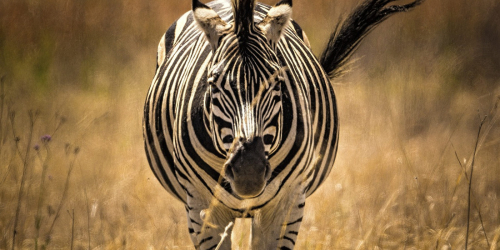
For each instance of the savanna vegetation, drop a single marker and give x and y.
(415, 167)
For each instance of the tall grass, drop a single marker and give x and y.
(32, 119)
(408, 110)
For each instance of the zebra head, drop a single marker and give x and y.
(243, 101)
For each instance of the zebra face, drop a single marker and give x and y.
(244, 94)
(245, 110)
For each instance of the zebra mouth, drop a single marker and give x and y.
(247, 186)
(242, 197)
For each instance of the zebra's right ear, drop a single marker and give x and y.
(276, 21)
(210, 22)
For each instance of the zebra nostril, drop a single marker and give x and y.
(229, 172)
(267, 174)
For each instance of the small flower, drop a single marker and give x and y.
(36, 147)
(46, 138)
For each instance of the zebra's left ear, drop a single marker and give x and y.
(276, 21)
(210, 22)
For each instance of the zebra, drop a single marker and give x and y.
(241, 119)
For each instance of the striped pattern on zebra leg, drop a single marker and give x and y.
(278, 228)
(207, 221)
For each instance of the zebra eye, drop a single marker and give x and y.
(278, 81)
(228, 139)
(268, 139)
(277, 86)
(269, 134)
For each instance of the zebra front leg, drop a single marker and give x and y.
(206, 225)
(278, 226)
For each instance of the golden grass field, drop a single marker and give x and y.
(410, 110)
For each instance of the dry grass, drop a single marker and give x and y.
(410, 107)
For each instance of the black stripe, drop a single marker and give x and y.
(185, 189)
(297, 221)
(193, 221)
(212, 247)
(205, 240)
(289, 239)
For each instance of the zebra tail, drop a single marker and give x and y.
(348, 34)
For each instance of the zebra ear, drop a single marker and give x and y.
(276, 21)
(210, 22)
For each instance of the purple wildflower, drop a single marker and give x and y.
(46, 138)
(36, 147)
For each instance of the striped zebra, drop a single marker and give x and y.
(241, 119)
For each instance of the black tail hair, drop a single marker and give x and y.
(348, 34)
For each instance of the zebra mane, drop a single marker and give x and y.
(243, 17)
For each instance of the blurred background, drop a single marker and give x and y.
(73, 172)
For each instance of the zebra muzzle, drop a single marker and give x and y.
(248, 170)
